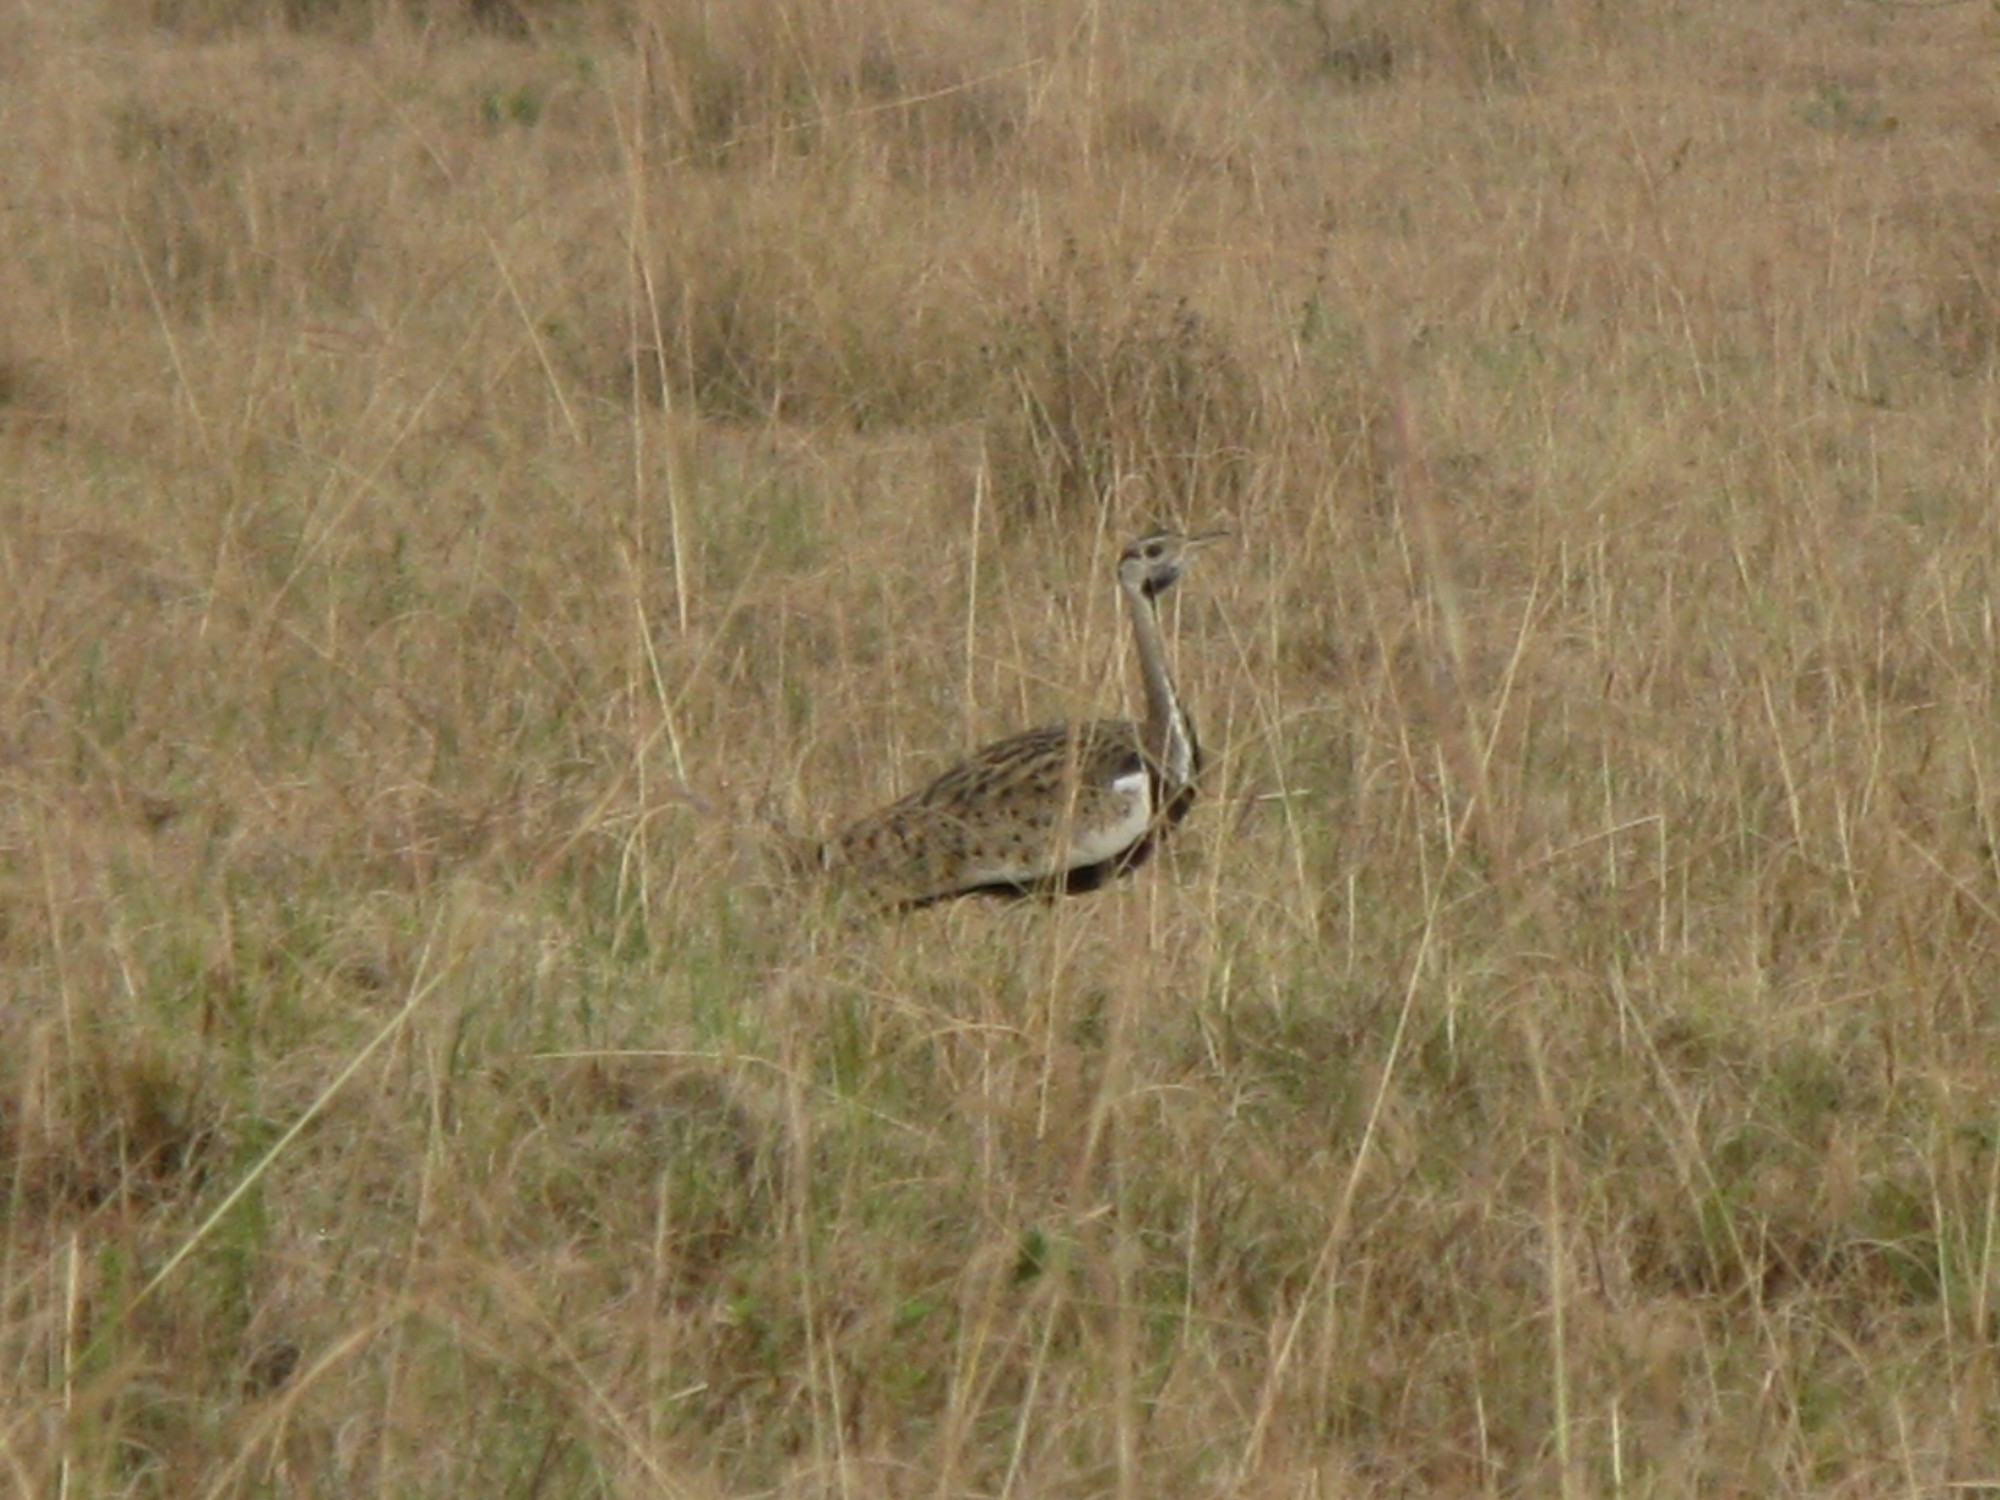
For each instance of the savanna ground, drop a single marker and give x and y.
(471, 476)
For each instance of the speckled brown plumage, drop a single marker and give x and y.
(1060, 808)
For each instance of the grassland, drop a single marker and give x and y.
(468, 476)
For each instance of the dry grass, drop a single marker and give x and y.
(461, 466)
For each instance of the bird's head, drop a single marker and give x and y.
(1154, 563)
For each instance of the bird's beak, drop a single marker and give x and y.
(1202, 539)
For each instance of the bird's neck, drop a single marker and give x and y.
(1169, 737)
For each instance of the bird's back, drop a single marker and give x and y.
(1056, 808)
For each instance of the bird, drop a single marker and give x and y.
(1060, 809)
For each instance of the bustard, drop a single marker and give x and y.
(1060, 808)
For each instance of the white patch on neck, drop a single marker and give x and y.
(1179, 751)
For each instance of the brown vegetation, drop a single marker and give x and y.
(464, 465)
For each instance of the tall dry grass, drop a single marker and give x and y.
(468, 468)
